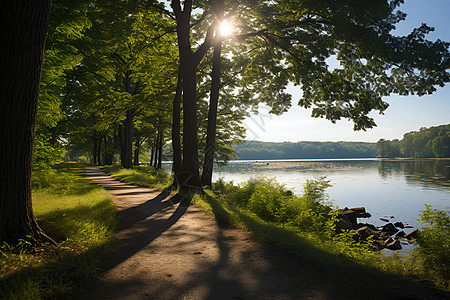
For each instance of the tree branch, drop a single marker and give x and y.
(208, 42)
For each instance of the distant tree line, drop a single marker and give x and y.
(427, 142)
(288, 150)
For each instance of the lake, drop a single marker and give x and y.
(392, 189)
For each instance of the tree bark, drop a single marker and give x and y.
(99, 151)
(128, 141)
(189, 169)
(210, 146)
(161, 138)
(137, 149)
(176, 130)
(94, 152)
(22, 32)
(152, 155)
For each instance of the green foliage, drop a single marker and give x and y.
(427, 142)
(434, 240)
(77, 214)
(147, 176)
(267, 200)
(272, 202)
(288, 150)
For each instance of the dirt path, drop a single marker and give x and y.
(162, 250)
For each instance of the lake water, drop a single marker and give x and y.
(392, 189)
(386, 188)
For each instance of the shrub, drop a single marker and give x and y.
(434, 240)
(268, 200)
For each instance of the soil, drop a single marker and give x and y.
(164, 250)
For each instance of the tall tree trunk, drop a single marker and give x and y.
(155, 164)
(189, 169)
(99, 151)
(22, 32)
(152, 153)
(109, 152)
(137, 149)
(94, 152)
(210, 146)
(121, 138)
(176, 130)
(128, 141)
(161, 138)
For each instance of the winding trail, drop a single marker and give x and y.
(163, 250)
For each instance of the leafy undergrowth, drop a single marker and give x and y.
(305, 226)
(146, 176)
(80, 217)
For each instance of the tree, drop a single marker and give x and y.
(23, 31)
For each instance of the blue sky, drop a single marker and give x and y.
(403, 115)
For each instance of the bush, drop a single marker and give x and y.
(268, 200)
(434, 240)
(272, 202)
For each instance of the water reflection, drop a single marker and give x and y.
(387, 188)
(428, 172)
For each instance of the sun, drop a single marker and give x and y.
(225, 28)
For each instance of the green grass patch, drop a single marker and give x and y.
(80, 216)
(146, 176)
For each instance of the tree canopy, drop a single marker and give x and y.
(433, 142)
(121, 77)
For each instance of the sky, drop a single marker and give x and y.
(404, 114)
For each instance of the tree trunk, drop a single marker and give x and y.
(121, 138)
(160, 148)
(155, 164)
(128, 141)
(176, 130)
(137, 148)
(99, 151)
(94, 152)
(152, 153)
(210, 146)
(109, 150)
(189, 169)
(22, 32)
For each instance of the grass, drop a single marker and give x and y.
(146, 176)
(80, 216)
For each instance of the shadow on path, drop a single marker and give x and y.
(140, 219)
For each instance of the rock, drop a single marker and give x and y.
(408, 226)
(368, 225)
(395, 245)
(383, 219)
(412, 234)
(365, 231)
(400, 234)
(386, 241)
(389, 228)
(343, 223)
(399, 225)
(359, 209)
(353, 213)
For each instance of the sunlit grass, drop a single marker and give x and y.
(146, 176)
(80, 216)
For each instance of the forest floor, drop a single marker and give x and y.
(164, 250)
